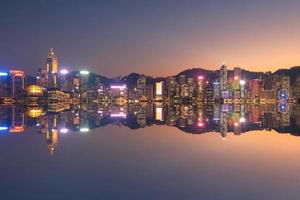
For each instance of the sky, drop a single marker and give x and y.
(157, 38)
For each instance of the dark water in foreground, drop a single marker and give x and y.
(53, 158)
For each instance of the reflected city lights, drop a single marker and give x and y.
(64, 130)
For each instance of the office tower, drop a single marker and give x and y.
(171, 87)
(4, 85)
(216, 88)
(254, 88)
(236, 78)
(64, 81)
(42, 78)
(200, 80)
(141, 86)
(150, 92)
(83, 83)
(159, 88)
(190, 83)
(223, 80)
(17, 84)
(52, 69)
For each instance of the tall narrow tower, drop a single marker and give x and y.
(223, 79)
(52, 69)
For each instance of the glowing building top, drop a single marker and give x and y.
(52, 69)
(52, 62)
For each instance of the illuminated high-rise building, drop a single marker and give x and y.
(141, 86)
(52, 69)
(17, 83)
(84, 83)
(159, 88)
(200, 80)
(216, 88)
(236, 78)
(4, 85)
(223, 78)
(191, 86)
(171, 85)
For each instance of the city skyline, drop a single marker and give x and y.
(149, 99)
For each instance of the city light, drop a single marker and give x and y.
(35, 112)
(64, 130)
(242, 119)
(35, 90)
(84, 72)
(159, 114)
(118, 87)
(84, 129)
(121, 114)
(64, 71)
(242, 82)
(236, 124)
(3, 74)
(16, 72)
(16, 129)
(200, 124)
(159, 88)
(3, 128)
(236, 78)
(200, 77)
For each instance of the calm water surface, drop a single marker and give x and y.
(156, 162)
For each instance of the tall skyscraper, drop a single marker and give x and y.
(84, 83)
(17, 83)
(200, 88)
(159, 88)
(52, 69)
(236, 78)
(4, 85)
(223, 80)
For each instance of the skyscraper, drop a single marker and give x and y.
(223, 78)
(52, 69)
(17, 83)
(236, 78)
(4, 85)
(159, 88)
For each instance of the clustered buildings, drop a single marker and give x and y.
(196, 101)
(222, 86)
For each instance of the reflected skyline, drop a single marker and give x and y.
(236, 119)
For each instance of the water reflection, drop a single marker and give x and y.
(193, 119)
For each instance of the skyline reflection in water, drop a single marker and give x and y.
(236, 119)
(150, 151)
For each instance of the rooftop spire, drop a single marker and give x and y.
(51, 52)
